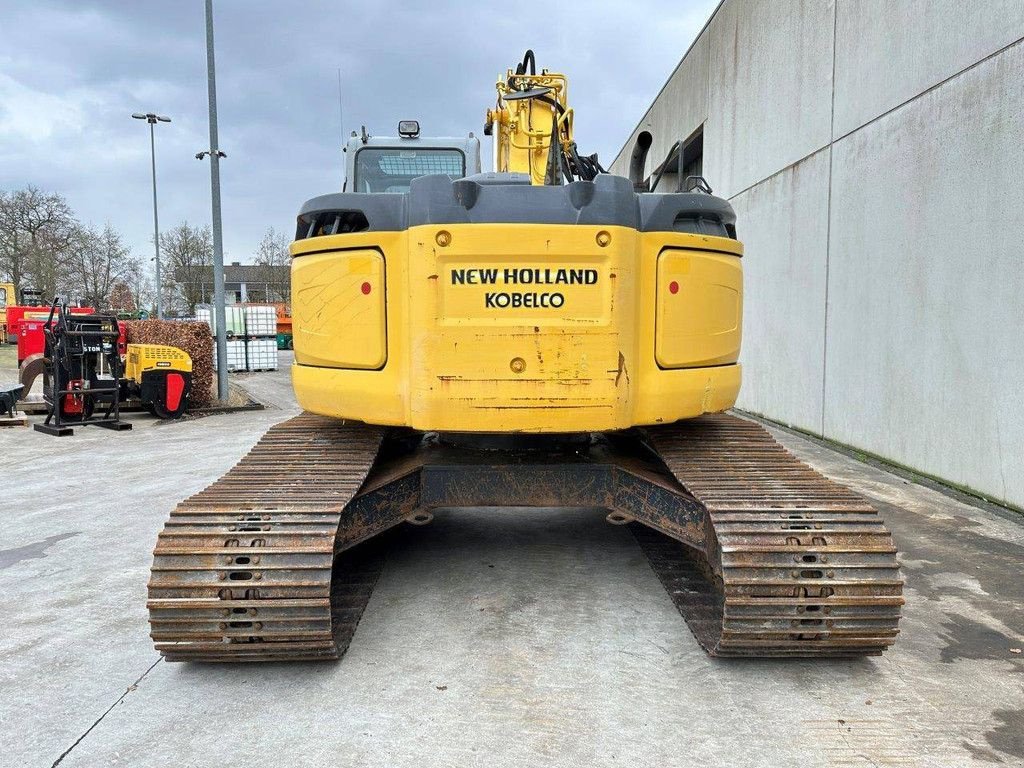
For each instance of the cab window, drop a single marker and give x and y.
(387, 169)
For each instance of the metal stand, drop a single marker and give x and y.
(76, 347)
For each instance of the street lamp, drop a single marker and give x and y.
(153, 119)
(218, 245)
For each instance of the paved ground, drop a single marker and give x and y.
(492, 639)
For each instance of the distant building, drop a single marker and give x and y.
(872, 152)
(250, 283)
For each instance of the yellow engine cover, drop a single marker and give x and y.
(516, 327)
(339, 295)
(700, 309)
(140, 358)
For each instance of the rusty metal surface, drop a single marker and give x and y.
(242, 571)
(797, 565)
(31, 368)
(610, 476)
(269, 562)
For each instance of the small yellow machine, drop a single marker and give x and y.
(540, 335)
(7, 298)
(159, 376)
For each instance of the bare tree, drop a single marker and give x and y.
(121, 298)
(36, 229)
(96, 260)
(189, 255)
(139, 279)
(48, 264)
(273, 262)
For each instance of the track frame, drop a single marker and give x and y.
(762, 555)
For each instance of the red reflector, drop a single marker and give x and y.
(673, 287)
(366, 288)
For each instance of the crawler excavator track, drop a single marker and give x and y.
(797, 565)
(242, 571)
(762, 555)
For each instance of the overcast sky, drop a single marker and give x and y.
(71, 74)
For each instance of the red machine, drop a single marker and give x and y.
(14, 314)
(26, 325)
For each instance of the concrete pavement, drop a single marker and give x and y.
(497, 638)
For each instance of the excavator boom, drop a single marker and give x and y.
(532, 126)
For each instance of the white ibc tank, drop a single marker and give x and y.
(262, 354)
(236, 356)
(260, 320)
(234, 319)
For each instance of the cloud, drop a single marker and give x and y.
(68, 88)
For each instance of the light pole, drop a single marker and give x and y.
(215, 155)
(153, 119)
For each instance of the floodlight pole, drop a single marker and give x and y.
(152, 118)
(218, 243)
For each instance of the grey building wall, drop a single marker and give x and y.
(874, 152)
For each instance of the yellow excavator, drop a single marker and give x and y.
(540, 335)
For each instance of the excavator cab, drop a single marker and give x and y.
(388, 164)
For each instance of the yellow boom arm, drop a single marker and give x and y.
(532, 111)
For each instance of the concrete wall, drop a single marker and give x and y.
(874, 152)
